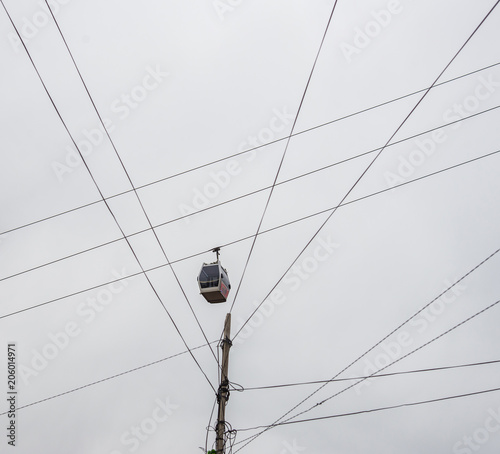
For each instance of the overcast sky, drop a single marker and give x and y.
(199, 98)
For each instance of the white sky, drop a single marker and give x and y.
(183, 87)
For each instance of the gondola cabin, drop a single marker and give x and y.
(214, 283)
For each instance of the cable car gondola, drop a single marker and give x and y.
(213, 281)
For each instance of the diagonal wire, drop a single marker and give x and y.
(393, 331)
(276, 423)
(372, 410)
(284, 154)
(248, 194)
(209, 426)
(255, 148)
(100, 193)
(112, 377)
(375, 158)
(321, 169)
(261, 233)
(4, 7)
(366, 170)
(375, 375)
(129, 179)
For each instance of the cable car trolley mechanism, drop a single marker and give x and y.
(213, 281)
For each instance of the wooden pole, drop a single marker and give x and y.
(223, 393)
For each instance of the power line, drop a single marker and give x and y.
(132, 185)
(167, 258)
(367, 196)
(376, 375)
(277, 423)
(66, 257)
(391, 374)
(396, 329)
(248, 194)
(48, 218)
(282, 158)
(372, 162)
(100, 192)
(365, 153)
(160, 244)
(360, 177)
(250, 236)
(112, 377)
(245, 389)
(256, 148)
(209, 426)
(372, 410)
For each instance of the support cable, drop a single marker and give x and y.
(377, 155)
(102, 380)
(376, 375)
(277, 422)
(100, 193)
(249, 237)
(392, 332)
(130, 181)
(209, 427)
(248, 194)
(241, 388)
(258, 147)
(372, 410)
(282, 158)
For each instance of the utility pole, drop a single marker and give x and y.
(223, 393)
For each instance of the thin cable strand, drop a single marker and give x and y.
(253, 437)
(131, 184)
(282, 159)
(376, 375)
(378, 154)
(248, 194)
(393, 331)
(101, 195)
(391, 407)
(253, 149)
(112, 377)
(250, 236)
